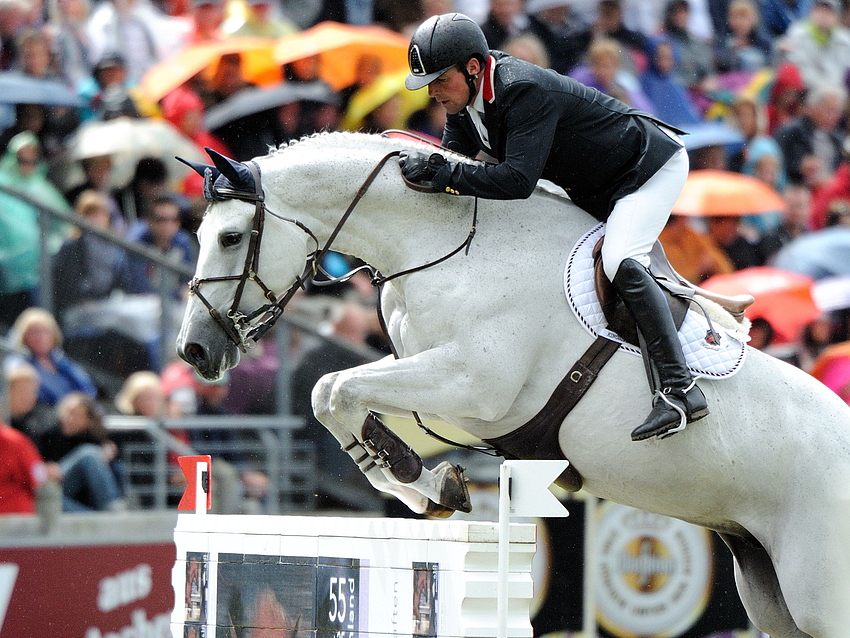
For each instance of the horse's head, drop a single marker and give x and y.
(240, 283)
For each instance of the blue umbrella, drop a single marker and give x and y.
(702, 134)
(823, 253)
(16, 88)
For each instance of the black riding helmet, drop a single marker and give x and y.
(440, 43)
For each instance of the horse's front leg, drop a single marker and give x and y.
(369, 462)
(430, 382)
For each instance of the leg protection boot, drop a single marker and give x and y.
(679, 400)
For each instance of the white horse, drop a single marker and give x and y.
(484, 337)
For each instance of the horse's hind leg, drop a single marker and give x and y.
(758, 587)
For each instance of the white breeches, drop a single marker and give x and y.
(638, 218)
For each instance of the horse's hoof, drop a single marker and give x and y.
(453, 490)
(435, 510)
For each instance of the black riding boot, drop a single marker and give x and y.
(679, 400)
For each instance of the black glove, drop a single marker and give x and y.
(417, 166)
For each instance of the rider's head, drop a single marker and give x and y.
(442, 43)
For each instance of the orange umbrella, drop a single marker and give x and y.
(340, 47)
(257, 63)
(783, 298)
(710, 192)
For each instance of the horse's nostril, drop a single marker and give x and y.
(194, 353)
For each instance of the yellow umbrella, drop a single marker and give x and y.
(375, 94)
(257, 64)
(340, 47)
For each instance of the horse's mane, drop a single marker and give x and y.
(336, 139)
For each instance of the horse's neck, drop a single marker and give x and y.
(394, 228)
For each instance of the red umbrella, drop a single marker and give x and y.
(782, 298)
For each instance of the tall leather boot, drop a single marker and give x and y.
(679, 400)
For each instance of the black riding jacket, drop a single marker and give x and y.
(544, 125)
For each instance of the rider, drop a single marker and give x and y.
(623, 166)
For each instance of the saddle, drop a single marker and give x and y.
(538, 439)
(678, 291)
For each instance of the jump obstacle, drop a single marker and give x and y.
(291, 576)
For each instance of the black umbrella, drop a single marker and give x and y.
(255, 100)
(16, 88)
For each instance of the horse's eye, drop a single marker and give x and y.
(230, 239)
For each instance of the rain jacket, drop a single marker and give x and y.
(19, 229)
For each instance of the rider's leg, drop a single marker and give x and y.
(631, 231)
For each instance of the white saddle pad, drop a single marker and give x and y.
(705, 359)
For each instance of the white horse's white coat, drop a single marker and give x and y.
(485, 338)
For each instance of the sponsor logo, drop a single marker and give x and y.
(654, 573)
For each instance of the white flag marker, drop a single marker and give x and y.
(523, 491)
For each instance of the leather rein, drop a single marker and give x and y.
(240, 327)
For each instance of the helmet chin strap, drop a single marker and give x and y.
(470, 82)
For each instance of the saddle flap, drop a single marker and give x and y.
(616, 314)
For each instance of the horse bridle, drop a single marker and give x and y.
(240, 327)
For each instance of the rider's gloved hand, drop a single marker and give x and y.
(417, 166)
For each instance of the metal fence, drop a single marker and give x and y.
(262, 445)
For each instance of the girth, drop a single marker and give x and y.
(538, 439)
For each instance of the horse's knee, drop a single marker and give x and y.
(321, 396)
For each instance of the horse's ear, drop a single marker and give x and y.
(200, 169)
(237, 173)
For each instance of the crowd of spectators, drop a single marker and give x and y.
(761, 84)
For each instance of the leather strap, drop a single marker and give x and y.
(538, 439)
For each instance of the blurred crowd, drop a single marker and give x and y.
(761, 86)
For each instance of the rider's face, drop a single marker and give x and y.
(450, 89)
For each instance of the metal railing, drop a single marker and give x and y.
(259, 444)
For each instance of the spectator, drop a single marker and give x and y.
(819, 45)
(13, 19)
(632, 45)
(37, 332)
(261, 19)
(97, 295)
(737, 240)
(150, 181)
(113, 98)
(694, 66)
(246, 137)
(429, 121)
(785, 100)
(811, 144)
(67, 27)
(185, 110)
(604, 73)
(130, 29)
(795, 217)
(97, 172)
(26, 412)
(80, 454)
(663, 88)
(161, 231)
(22, 169)
(778, 15)
(745, 46)
(504, 21)
(558, 30)
(694, 255)
(837, 189)
(528, 47)
(22, 472)
(207, 18)
(35, 57)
